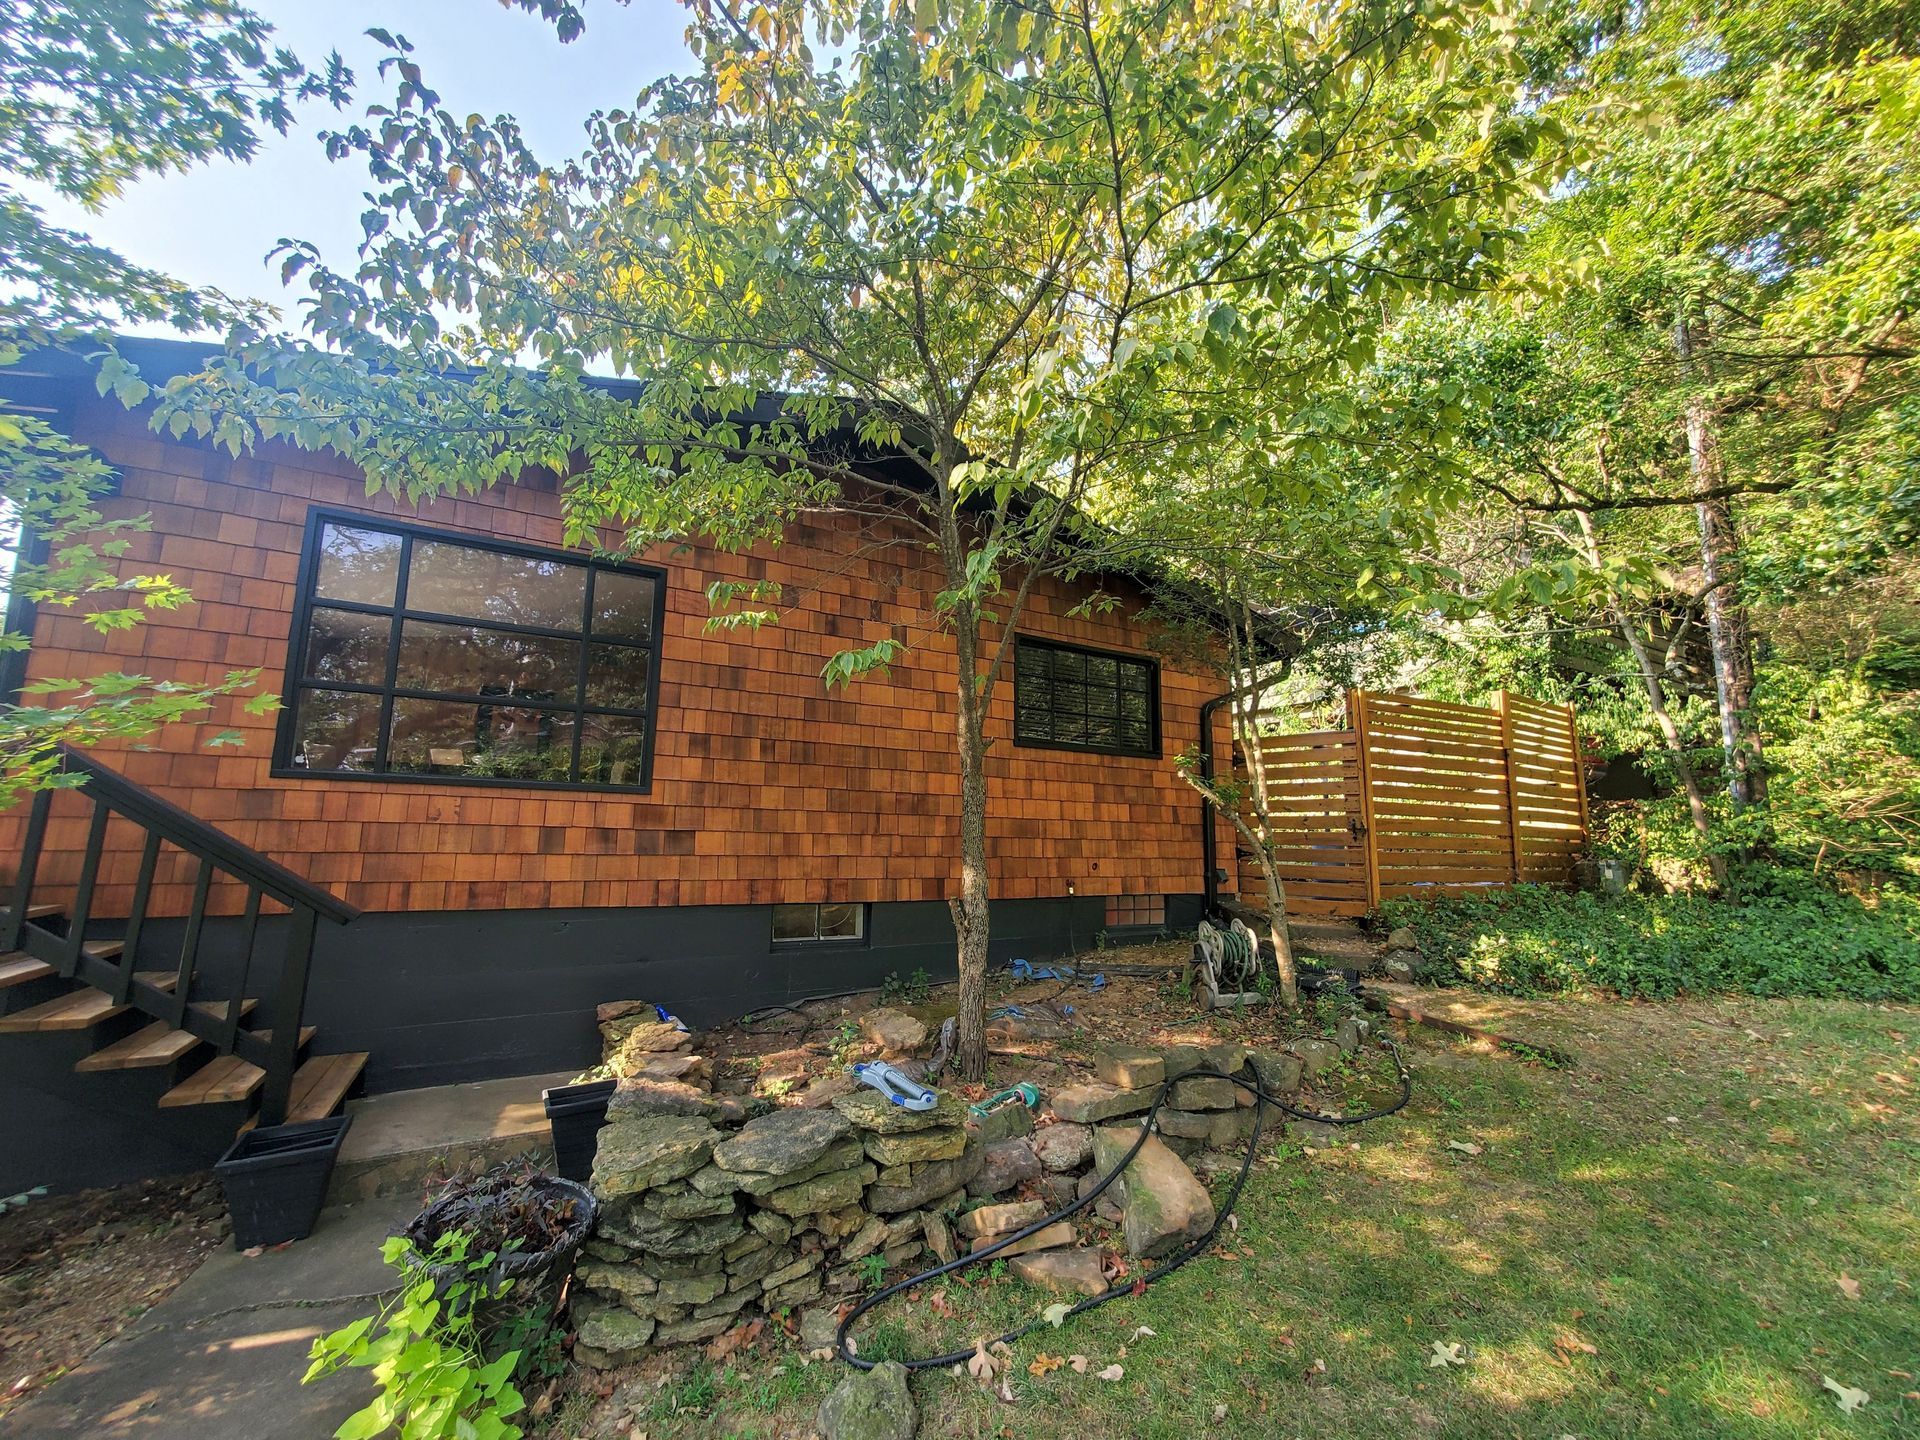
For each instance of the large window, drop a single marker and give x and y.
(1085, 699)
(431, 656)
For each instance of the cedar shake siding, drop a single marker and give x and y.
(764, 789)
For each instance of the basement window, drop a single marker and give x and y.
(1128, 911)
(802, 924)
(425, 655)
(1067, 698)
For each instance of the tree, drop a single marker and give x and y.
(1756, 230)
(95, 95)
(973, 234)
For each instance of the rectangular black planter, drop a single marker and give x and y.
(276, 1179)
(575, 1113)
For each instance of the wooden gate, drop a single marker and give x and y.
(1420, 797)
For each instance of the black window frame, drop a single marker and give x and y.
(301, 634)
(1146, 662)
(817, 941)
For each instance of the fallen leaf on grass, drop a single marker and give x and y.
(1079, 1364)
(942, 1306)
(1570, 1344)
(1139, 1331)
(1112, 1372)
(1845, 1396)
(1219, 1413)
(1444, 1355)
(1044, 1364)
(1465, 1147)
(1849, 1286)
(987, 1362)
(1056, 1314)
(724, 1345)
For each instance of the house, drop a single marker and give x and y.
(544, 784)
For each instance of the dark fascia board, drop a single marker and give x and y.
(60, 372)
(58, 377)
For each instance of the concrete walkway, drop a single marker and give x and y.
(221, 1358)
(400, 1138)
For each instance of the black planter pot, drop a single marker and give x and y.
(575, 1114)
(276, 1179)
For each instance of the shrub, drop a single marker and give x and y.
(1777, 932)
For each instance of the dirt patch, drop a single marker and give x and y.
(1139, 998)
(77, 1269)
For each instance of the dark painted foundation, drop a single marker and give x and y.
(438, 999)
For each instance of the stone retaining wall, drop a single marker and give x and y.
(714, 1208)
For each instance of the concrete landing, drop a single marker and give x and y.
(221, 1358)
(398, 1140)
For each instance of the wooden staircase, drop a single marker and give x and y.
(54, 977)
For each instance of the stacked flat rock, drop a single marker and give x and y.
(634, 1039)
(704, 1213)
(921, 1155)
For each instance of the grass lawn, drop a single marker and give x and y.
(1663, 1239)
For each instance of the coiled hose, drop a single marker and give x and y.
(1180, 1257)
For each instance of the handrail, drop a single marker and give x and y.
(196, 836)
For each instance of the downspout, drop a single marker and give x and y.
(1209, 841)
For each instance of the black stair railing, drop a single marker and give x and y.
(275, 1050)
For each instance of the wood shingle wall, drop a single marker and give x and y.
(765, 787)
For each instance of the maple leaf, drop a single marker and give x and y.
(1444, 1355)
(1112, 1372)
(1845, 1396)
(980, 1364)
(1044, 1364)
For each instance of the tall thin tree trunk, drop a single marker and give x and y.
(1727, 629)
(1656, 700)
(1244, 709)
(970, 906)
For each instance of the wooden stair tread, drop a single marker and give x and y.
(45, 911)
(79, 1010)
(320, 1084)
(157, 1044)
(17, 968)
(222, 1079)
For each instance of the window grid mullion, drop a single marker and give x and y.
(580, 679)
(392, 680)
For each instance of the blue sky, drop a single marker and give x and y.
(214, 225)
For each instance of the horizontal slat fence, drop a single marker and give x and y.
(1313, 785)
(1420, 797)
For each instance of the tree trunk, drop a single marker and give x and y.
(1656, 701)
(969, 907)
(1244, 712)
(1277, 929)
(1727, 629)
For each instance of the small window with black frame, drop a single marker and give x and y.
(807, 924)
(1069, 698)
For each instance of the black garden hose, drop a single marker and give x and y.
(1180, 1257)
